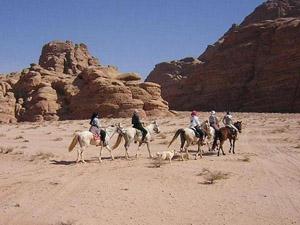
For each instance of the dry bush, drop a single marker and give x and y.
(245, 159)
(41, 155)
(164, 142)
(162, 136)
(26, 140)
(6, 150)
(58, 139)
(165, 122)
(157, 162)
(18, 153)
(34, 127)
(69, 222)
(298, 146)
(210, 177)
(19, 137)
(2, 135)
(278, 130)
(49, 133)
(24, 147)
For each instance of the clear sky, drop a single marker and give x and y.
(131, 34)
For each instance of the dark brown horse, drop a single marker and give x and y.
(225, 133)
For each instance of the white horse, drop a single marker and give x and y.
(210, 137)
(188, 135)
(85, 139)
(132, 134)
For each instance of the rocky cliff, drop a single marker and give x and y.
(253, 67)
(69, 83)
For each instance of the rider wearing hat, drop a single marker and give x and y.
(96, 127)
(194, 122)
(138, 124)
(213, 120)
(227, 120)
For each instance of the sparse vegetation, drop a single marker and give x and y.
(157, 162)
(26, 140)
(245, 159)
(2, 135)
(58, 139)
(19, 137)
(6, 150)
(164, 142)
(69, 222)
(162, 136)
(298, 146)
(41, 155)
(210, 177)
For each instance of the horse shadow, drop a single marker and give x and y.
(64, 162)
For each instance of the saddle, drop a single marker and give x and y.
(233, 131)
(197, 134)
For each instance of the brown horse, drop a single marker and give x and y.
(225, 133)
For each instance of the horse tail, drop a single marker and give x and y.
(217, 136)
(117, 142)
(74, 142)
(180, 131)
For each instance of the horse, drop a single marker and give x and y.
(85, 139)
(188, 135)
(210, 137)
(225, 133)
(132, 134)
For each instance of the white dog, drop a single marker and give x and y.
(166, 155)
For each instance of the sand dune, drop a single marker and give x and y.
(40, 183)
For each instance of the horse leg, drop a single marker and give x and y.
(78, 155)
(110, 151)
(230, 141)
(233, 146)
(81, 155)
(221, 145)
(199, 151)
(187, 152)
(137, 151)
(148, 147)
(100, 158)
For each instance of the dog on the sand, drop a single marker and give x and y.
(166, 155)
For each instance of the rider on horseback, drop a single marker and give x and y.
(227, 120)
(195, 123)
(213, 120)
(96, 128)
(137, 124)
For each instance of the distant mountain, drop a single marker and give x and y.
(254, 67)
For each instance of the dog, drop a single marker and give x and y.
(166, 155)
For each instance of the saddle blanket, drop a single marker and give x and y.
(96, 137)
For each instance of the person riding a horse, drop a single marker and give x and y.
(228, 122)
(213, 120)
(195, 123)
(138, 124)
(96, 127)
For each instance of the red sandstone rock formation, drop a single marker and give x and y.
(253, 67)
(69, 83)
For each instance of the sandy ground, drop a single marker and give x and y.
(40, 183)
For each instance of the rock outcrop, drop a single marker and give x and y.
(68, 83)
(253, 67)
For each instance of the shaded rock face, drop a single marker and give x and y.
(253, 67)
(70, 84)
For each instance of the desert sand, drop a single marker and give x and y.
(40, 183)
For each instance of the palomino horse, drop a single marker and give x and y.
(85, 139)
(188, 135)
(225, 133)
(132, 134)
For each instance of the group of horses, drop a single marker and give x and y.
(188, 137)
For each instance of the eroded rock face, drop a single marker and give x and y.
(70, 84)
(253, 67)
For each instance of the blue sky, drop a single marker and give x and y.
(133, 35)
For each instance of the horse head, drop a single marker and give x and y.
(238, 125)
(155, 127)
(120, 128)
